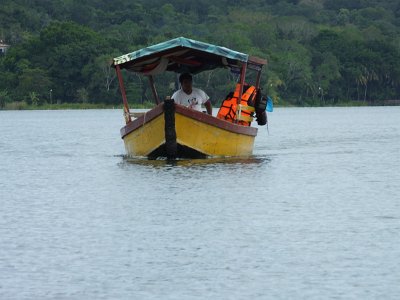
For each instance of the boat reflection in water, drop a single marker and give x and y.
(206, 162)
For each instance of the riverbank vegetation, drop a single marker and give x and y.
(320, 52)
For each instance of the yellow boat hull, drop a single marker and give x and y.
(146, 139)
(195, 134)
(211, 140)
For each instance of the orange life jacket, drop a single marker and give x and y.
(246, 110)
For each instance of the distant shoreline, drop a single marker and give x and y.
(148, 105)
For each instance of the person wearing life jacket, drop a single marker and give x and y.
(244, 115)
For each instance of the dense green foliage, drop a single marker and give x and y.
(320, 52)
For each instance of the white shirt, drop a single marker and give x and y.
(194, 100)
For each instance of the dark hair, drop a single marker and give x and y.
(184, 76)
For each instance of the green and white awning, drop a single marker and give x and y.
(181, 55)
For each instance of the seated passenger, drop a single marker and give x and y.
(190, 96)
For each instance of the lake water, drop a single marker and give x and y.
(314, 214)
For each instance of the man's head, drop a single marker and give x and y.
(185, 80)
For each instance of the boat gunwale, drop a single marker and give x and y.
(193, 114)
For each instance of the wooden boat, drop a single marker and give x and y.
(163, 130)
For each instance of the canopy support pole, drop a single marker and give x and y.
(153, 89)
(127, 114)
(258, 80)
(242, 79)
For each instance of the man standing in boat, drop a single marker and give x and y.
(190, 96)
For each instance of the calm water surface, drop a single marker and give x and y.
(314, 214)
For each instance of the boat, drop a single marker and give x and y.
(162, 131)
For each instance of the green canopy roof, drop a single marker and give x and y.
(182, 55)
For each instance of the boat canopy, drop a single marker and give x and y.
(184, 55)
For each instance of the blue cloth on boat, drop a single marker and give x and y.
(270, 105)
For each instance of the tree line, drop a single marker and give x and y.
(320, 52)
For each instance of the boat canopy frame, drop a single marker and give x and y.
(183, 55)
